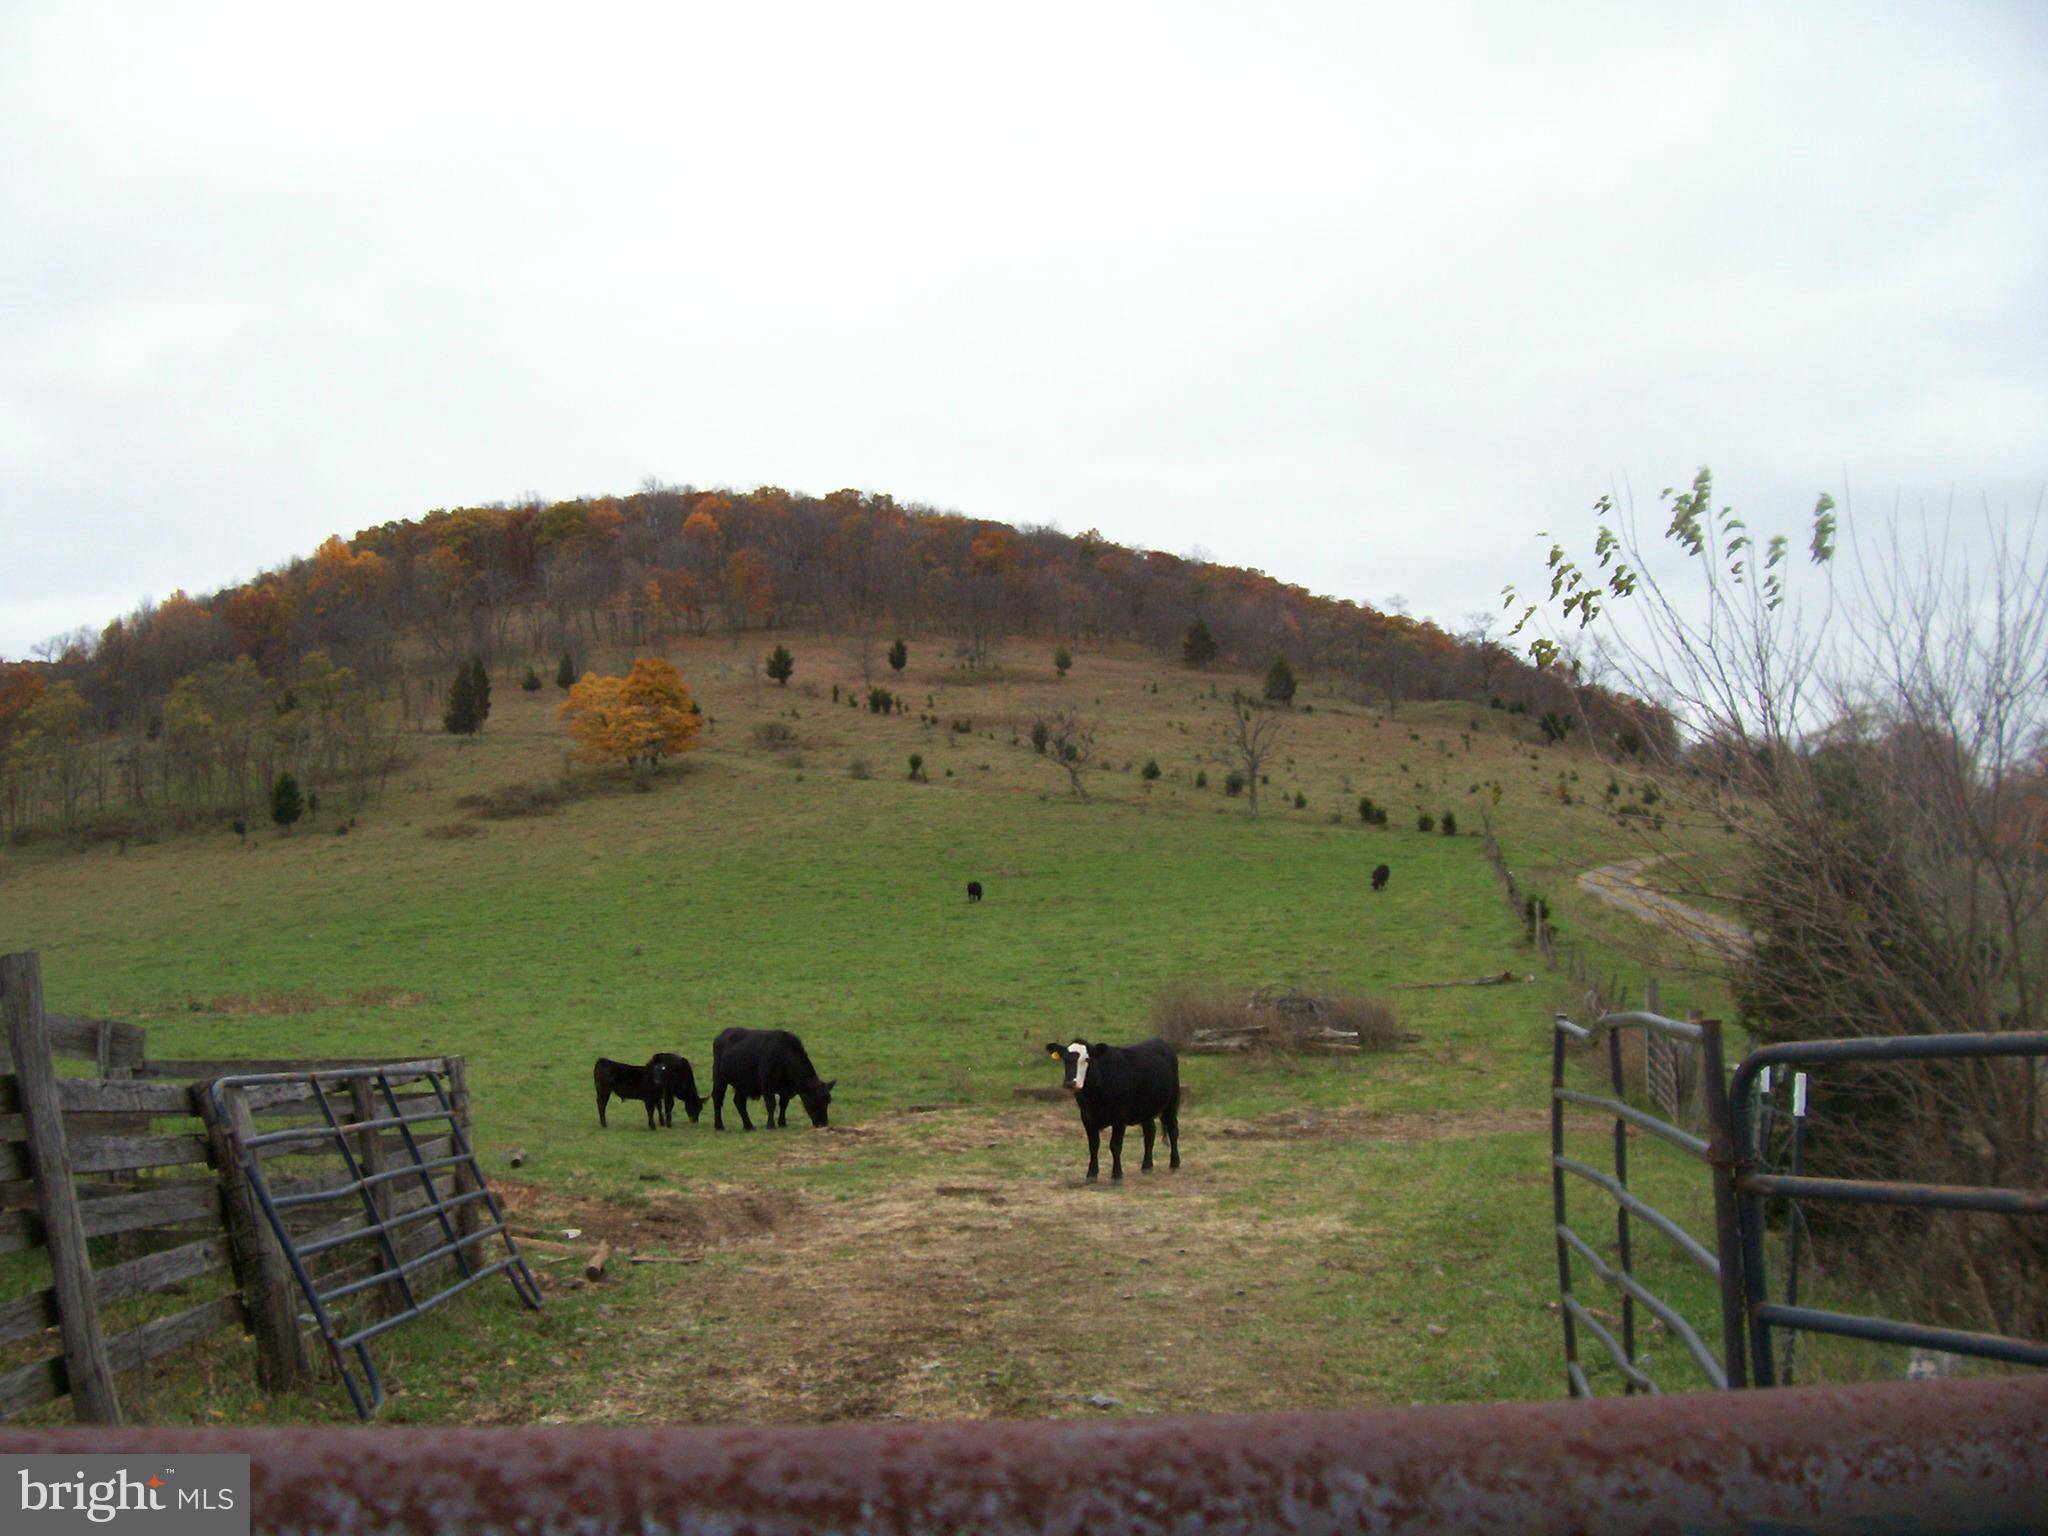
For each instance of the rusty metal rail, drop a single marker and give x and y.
(1926, 1456)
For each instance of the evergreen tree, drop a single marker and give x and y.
(1280, 682)
(480, 689)
(565, 674)
(285, 805)
(1061, 660)
(530, 682)
(781, 664)
(899, 655)
(1199, 649)
(469, 700)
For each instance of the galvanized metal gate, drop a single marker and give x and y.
(1738, 1152)
(396, 1188)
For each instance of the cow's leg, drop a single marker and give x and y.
(1171, 1122)
(1116, 1151)
(782, 1118)
(653, 1111)
(717, 1101)
(668, 1107)
(1094, 1148)
(602, 1098)
(739, 1102)
(1146, 1127)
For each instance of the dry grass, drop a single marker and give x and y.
(454, 831)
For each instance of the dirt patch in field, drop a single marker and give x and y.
(664, 1223)
(938, 1301)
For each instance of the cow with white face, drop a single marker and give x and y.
(1119, 1085)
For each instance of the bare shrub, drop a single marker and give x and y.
(773, 733)
(1207, 1019)
(454, 831)
(1878, 739)
(860, 768)
(508, 802)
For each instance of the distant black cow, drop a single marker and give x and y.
(1379, 878)
(766, 1064)
(648, 1084)
(682, 1084)
(974, 890)
(1115, 1085)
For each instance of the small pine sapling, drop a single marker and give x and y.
(285, 805)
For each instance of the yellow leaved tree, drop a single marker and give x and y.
(639, 718)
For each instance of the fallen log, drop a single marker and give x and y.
(662, 1258)
(594, 1269)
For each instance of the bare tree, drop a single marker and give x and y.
(1880, 742)
(1069, 741)
(1249, 734)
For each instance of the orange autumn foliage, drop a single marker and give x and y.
(641, 717)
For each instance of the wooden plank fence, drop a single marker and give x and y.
(130, 1154)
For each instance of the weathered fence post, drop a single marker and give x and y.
(1721, 1155)
(88, 1373)
(468, 1216)
(259, 1263)
(370, 1153)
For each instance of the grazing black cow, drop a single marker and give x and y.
(682, 1084)
(766, 1064)
(1115, 1085)
(648, 1084)
(1379, 878)
(974, 890)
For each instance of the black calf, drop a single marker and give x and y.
(648, 1084)
(682, 1084)
(974, 890)
(1379, 878)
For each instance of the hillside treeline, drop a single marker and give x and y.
(189, 707)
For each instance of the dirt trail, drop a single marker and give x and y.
(1620, 885)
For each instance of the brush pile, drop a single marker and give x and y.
(1222, 1022)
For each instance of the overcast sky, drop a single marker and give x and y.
(1360, 296)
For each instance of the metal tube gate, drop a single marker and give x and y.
(1736, 1153)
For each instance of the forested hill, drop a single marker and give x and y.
(395, 607)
